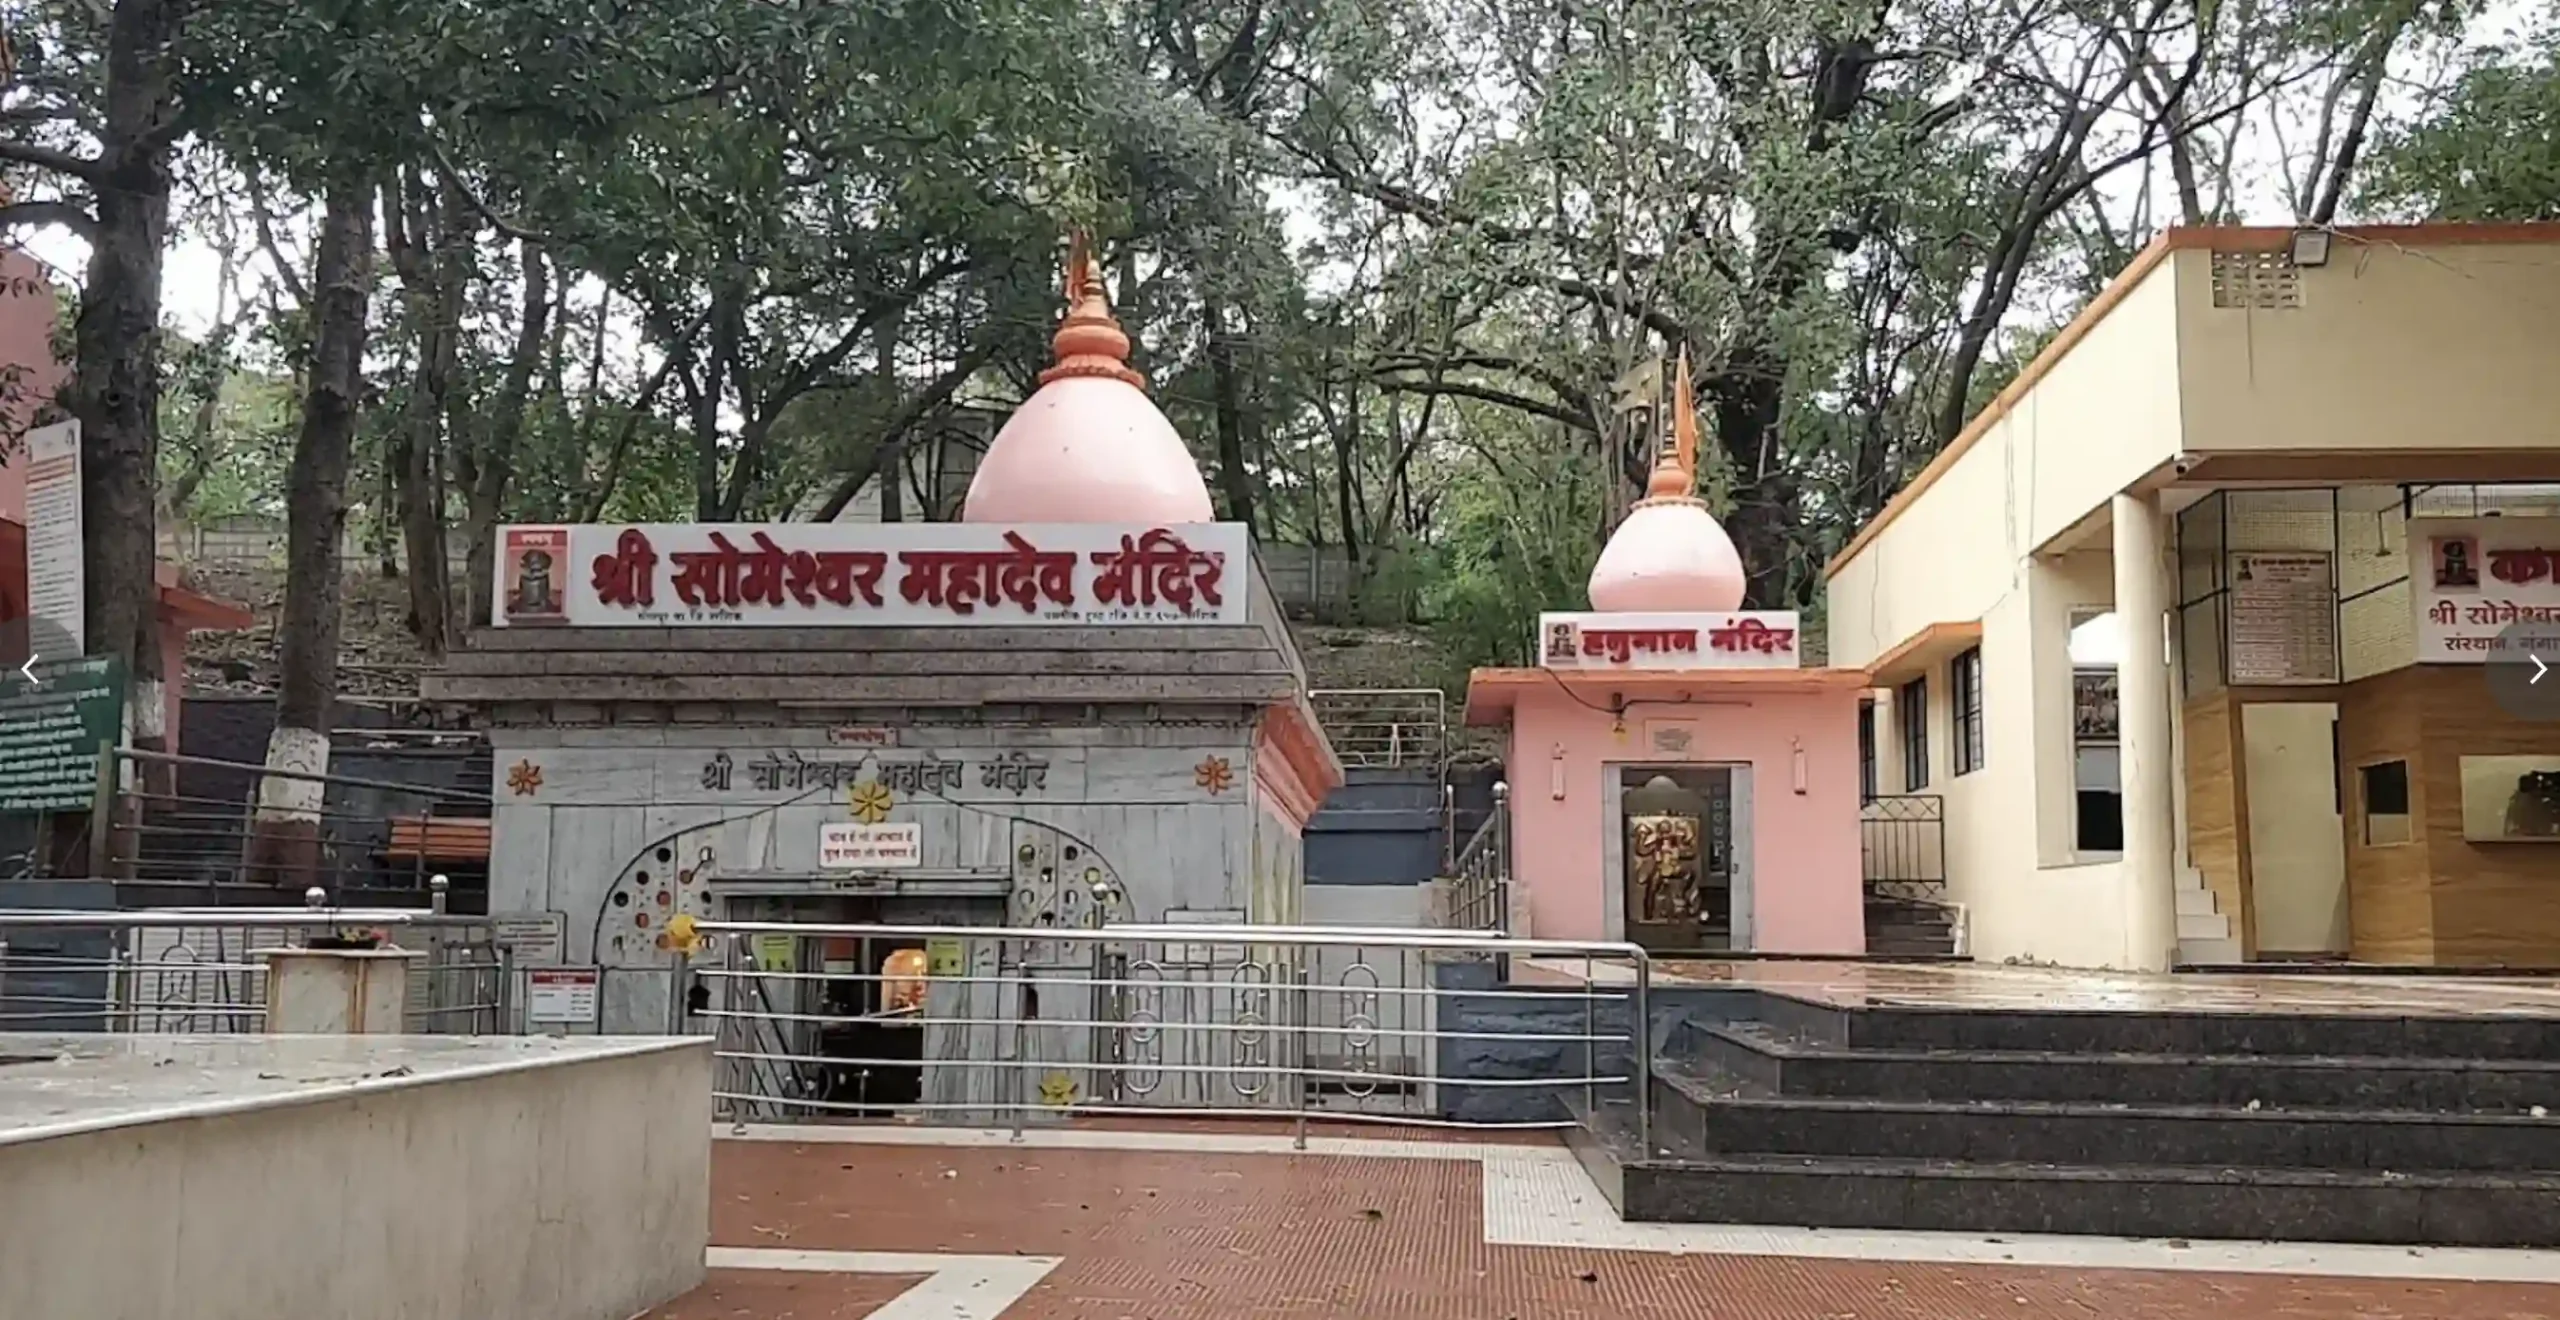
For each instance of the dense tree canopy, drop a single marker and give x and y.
(1403, 270)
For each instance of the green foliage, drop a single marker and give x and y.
(2489, 152)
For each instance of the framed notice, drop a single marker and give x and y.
(2284, 619)
(854, 846)
(562, 996)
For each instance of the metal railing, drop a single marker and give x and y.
(1480, 880)
(1902, 841)
(181, 830)
(991, 1027)
(1385, 727)
(199, 972)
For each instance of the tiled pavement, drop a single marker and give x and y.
(1192, 1226)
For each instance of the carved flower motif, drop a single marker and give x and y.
(524, 779)
(871, 801)
(1214, 775)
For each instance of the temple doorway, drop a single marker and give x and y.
(1678, 879)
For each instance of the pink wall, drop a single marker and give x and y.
(1806, 864)
(26, 340)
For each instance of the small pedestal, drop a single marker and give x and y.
(337, 992)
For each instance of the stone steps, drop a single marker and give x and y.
(2293, 1127)
(1759, 1058)
(2144, 1201)
(1696, 1114)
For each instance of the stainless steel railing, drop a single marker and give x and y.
(1480, 888)
(1385, 727)
(197, 971)
(998, 1027)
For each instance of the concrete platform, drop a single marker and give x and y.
(261, 1176)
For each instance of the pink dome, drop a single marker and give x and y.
(1669, 555)
(1089, 446)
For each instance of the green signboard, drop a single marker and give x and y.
(51, 730)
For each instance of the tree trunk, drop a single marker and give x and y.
(1234, 481)
(494, 464)
(284, 842)
(115, 385)
(419, 436)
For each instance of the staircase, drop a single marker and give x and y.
(2205, 935)
(2164, 1125)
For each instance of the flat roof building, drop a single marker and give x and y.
(2196, 631)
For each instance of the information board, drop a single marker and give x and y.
(52, 729)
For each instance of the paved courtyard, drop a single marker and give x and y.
(1225, 1224)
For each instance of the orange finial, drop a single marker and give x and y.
(1675, 476)
(1090, 341)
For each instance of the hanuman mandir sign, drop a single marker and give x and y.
(52, 731)
(876, 575)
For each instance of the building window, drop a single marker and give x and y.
(1867, 751)
(1911, 711)
(2385, 794)
(1965, 674)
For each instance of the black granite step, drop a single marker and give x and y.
(1759, 1059)
(2143, 1200)
(1695, 1115)
(2332, 1035)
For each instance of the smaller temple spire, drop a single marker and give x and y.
(1675, 474)
(1090, 341)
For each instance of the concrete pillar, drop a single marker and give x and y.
(2145, 750)
(337, 992)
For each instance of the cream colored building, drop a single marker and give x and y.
(2197, 505)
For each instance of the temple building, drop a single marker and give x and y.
(1677, 777)
(1078, 703)
(2222, 634)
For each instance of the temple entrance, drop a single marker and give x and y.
(1679, 876)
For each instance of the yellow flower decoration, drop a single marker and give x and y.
(1057, 1090)
(871, 802)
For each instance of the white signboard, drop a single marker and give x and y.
(2474, 578)
(869, 575)
(530, 937)
(561, 996)
(853, 846)
(2284, 619)
(1617, 643)
(57, 595)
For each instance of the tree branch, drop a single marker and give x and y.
(69, 215)
(47, 158)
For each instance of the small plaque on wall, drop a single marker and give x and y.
(2511, 799)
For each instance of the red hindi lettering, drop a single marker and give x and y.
(764, 572)
(628, 575)
(837, 576)
(708, 577)
(1032, 575)
(2524, 567)
(1157, 566)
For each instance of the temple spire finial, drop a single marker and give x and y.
(1675, 474)
(1090, 341)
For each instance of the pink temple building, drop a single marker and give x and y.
(1677, 777)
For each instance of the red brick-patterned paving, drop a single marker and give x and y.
(1191, 1236)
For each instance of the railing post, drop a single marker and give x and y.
(1011, 992)
(1300, 1031)
(1640, 1039)
(438, 889)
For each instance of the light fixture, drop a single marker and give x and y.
(2310, 247)
(1555, 773)
(1800, 784)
